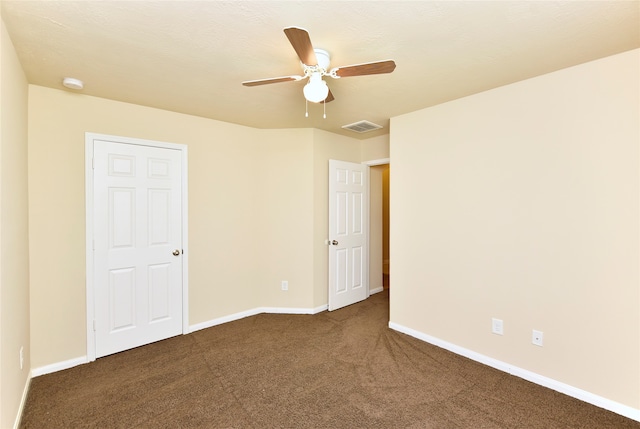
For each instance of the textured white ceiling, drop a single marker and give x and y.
(191, 56)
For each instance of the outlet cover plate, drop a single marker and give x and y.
(497, 326)
(536, 338)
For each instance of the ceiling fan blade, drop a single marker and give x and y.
(329, 97)
(299, 39)
(271, 80)
(376, 67)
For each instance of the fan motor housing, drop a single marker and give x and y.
(323, 58)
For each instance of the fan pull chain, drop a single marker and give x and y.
(306, 109)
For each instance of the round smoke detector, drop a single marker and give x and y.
(72, 83)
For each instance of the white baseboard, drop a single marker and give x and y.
(23, 401)
(59, 366)
(224, 319)
(289, 310)
(583, 395)
(253, 312)
(320, 309)
(376, 290)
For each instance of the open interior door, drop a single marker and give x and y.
(348, 233)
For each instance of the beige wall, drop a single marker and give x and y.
(285, 218)
(221, 211)
(522, 203)
(14, 251)
(375, 148)
(254, 199)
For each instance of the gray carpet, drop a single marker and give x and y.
(341, 369)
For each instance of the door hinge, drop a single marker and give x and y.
(94, 325)
(93, 164)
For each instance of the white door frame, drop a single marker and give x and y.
(90, 299)
(375, 162)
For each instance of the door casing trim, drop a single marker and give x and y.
(89, 233)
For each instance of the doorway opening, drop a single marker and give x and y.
(379, 174)
(386, 261)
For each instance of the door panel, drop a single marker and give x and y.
(137, 227)
(348, 230)
(356, 258)
(122, 295)
(121, 216)
(159, 216)
(160, 292)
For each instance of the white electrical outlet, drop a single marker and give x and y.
(21, 357)
(536, 338)
(497, 326)
(285, 285)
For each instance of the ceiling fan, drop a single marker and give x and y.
(315, 65)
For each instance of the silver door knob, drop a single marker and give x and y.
(334, 242)
(176, 252)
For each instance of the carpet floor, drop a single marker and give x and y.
(340, 369)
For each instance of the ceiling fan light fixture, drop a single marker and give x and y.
(315, 64)
(316, 90)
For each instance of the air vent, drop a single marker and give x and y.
(362, 126)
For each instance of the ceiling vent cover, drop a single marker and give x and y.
(362, 126)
